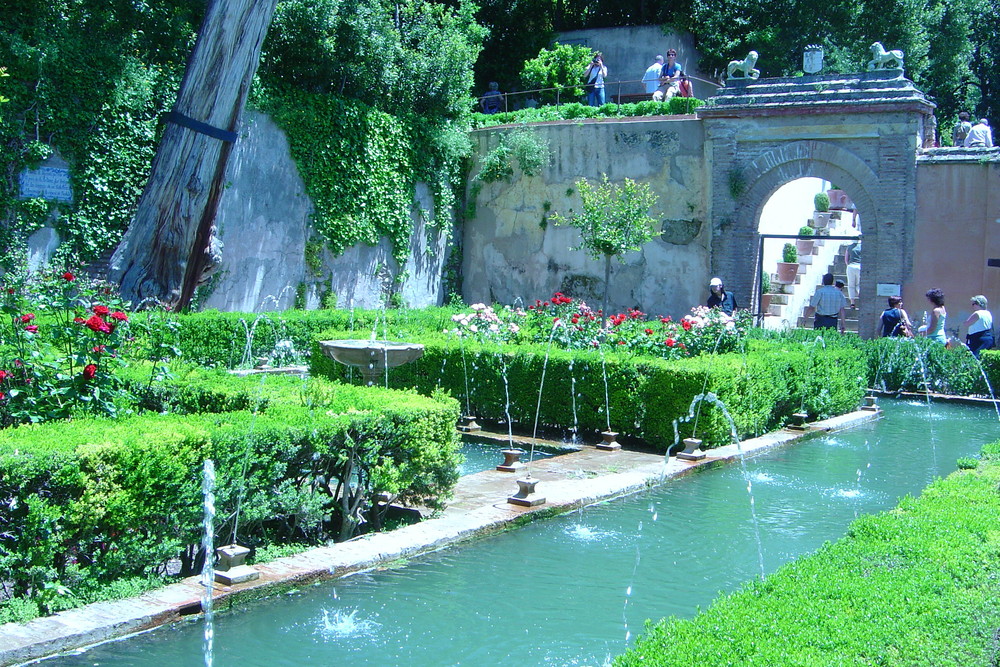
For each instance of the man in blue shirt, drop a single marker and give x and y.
(670, 77)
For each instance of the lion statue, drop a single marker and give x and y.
(882, 59)
(745, 66)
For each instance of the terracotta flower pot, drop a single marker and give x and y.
(787, 272)
(804, 246)
(765, 303)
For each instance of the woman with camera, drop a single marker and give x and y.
(594, 78)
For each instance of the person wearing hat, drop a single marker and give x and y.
(980, 323)
(720, 298)
(980, 135)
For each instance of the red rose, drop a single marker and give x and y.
(101, 310)
(3, 375)
(2, 396)
(79, 320)
(120, 316)
(649, 332)
(89, 371)
(686, 324)
(621, 342)
(669, 342)
(68, 277)
(95, 323)
(31, 328)
(27, 317)
(98, 349)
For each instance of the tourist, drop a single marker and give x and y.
(492, 100)
(720, 298)
(670, 76)
(852, 257)
(829, 303)
(980, 323)
(594, 77)
(934, 330)
(894, 320)
(980, 135)
(961, 129)
(651, 79)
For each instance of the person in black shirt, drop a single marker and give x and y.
(720, 298)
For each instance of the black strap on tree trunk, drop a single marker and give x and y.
(178, 118)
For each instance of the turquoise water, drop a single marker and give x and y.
(573, 590)
(484, 454)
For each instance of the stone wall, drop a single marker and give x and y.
(513, 252)
(263, 223)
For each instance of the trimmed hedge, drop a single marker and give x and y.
(915, 586)
(760, 388)
(94, 500)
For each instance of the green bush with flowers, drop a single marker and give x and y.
(63, 340)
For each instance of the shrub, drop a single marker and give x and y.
(561, 68)
(789, 253)
(806, 230)
(821, 201)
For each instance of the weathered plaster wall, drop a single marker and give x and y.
(512, 251)
(263, 222)
(957, 231)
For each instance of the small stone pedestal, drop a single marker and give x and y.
(511, 460)
(799, 421)
(231, 569)
(526, 496)
(870, 404)
(692, 450)
(469, 424)
(609, 443)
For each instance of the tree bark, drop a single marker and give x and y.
(169, 245)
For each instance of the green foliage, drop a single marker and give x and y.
(910, 586)
(521, 146)
(918, 364)
(615, 218)
(789, 253)
(806, 230)
(559, 69)
(765, 282)
(821, 201)
(94, 501)
(573, 110)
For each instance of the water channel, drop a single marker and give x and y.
(572, 590)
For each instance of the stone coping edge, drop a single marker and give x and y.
(106, 621)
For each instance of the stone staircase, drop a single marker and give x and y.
(788, 308)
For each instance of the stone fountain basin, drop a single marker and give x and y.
(372, 354)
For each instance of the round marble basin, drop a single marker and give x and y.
(372, 357)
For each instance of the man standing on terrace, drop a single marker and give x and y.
(651, 79)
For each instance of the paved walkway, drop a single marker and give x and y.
(479, 507)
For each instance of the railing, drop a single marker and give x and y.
(560, 90)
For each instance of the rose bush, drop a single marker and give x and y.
(63, 338)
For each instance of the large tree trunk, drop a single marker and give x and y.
(170, 243)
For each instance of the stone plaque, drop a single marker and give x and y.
(887, 289)
(812, 59)
(46, 182)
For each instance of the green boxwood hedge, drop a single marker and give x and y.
(915, 586)
(760, 388)
(98, 500)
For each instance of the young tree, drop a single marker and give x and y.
(615, 220)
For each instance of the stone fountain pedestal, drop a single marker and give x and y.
(469, 425)
(609, 442)
(692, 450)
(231, 569)
(526, 496)
(371, 357)
(511, 460)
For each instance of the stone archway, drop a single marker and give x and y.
(761, 135)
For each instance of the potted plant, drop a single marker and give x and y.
(805, 246)
(789, 267)
(821, 201)
(838, 198)
(765, 292)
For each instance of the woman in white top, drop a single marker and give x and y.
(980, 325)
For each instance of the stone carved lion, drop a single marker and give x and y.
(882, 59)
(746, 66)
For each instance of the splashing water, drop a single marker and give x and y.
(346, 624)
(208, 569)
(712, 399)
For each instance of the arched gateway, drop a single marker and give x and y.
(860, 131)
